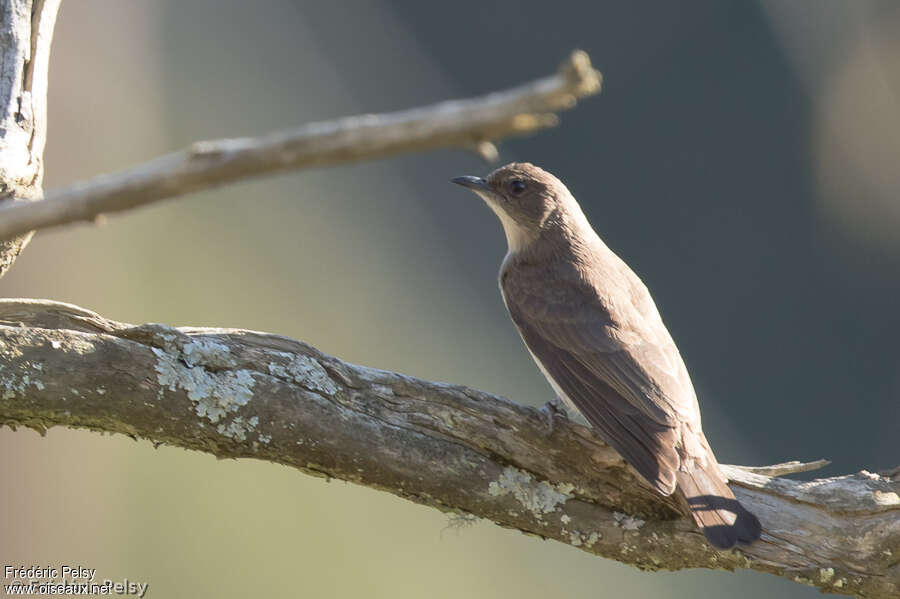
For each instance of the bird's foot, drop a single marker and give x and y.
(552, 410)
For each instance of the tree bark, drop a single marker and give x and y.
(236, 393)
(26, 31)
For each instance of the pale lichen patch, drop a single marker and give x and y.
(205, 352)
(304, 371)
(13, 384)
(826, 574)
(578, 538)
(214, 393)
(238, 429)
(538, 497)
(627, 522)
(11, 387)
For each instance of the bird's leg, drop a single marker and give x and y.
(553, 409)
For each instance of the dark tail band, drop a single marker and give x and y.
(720, 516)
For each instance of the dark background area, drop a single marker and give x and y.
(696, 166)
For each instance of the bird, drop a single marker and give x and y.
(595, 333)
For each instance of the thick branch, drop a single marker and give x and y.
(464, 123)
(26, 30)
(238, 393)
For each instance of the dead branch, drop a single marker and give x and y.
(470, 123)
(236, 393)
(24, 59)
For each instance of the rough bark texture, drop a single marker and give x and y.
(469, 123)
(238, 393)
(26, 30)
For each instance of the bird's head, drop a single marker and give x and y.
(526, 198)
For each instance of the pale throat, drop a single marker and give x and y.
(517, 236)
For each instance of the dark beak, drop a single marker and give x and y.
(474, 183)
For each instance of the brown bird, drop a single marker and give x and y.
(594, 331)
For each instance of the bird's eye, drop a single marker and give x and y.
(517, 186)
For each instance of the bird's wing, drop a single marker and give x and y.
(621, 371)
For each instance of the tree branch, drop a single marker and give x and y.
(463, 123)
(237, 393)
(26, 28)
(786, 468)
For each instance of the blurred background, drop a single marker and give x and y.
(742, 158)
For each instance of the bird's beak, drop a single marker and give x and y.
(474, 183)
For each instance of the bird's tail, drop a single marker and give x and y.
(720, 516)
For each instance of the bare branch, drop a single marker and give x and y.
(24, 59)
(786, 468)
(237, 393)
(462, 123)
